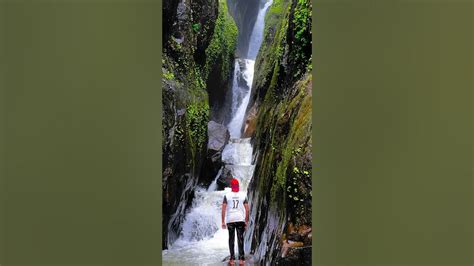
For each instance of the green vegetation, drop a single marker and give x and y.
(271, 53)
(296, 113)
(196, 27)
(301, 17)
(197, 112)
(179, 135)
(302, 39)
(168, 75)
(224, 40)
(275, 15)
(294, 50)
(293, 190)
(189, 77)
(198, 83)
(197, 116)
(283, 84)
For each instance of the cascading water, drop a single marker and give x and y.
(240, 94)
(202, 240)
(257, 32)
(244, 70)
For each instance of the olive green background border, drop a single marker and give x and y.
(393, 132)
(80, 136)
(82, 132)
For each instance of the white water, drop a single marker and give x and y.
(257, 33)
(244, 69)
(203, 241)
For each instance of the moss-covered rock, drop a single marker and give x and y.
(198, 37)
(282, 97)
(245, 14)
(219, 65)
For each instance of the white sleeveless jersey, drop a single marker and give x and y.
(235, 211)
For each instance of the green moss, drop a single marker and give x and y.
(302, 34)
(168, 75)
(188, 90)
(283, 95)
(221, 48)
(283, 159)
(196, 27)
(223, 43)
(302, 15)
(279, 46)
(197, 116)
(274, 15)
(271, 54)
(193, 77)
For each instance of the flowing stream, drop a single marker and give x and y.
(243, 75)
(202, 240)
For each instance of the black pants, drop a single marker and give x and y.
(240, 226)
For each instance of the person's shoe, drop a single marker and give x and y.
(231, 262)
(242, 262)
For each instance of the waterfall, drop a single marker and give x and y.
(202, 240)
(257, 33)
(243, 75)
(240, 94)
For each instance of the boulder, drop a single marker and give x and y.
(250, 122)
(218, 138)
(224, 178)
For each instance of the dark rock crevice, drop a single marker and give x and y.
(245, 14)
(198, 64)
(218, 138)
(195, 34)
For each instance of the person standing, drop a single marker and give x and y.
(235, 216)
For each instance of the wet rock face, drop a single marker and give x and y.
(224, 179)
(174, 155)
(250, 123)
(220, 94)
(188, 25)
(188, 32)
(245, 14)
(296, 256)
(280, 106)
(220, 65)
(169, 17)
(296, 248)
(182, 159)
(218, 138)
(205, 14)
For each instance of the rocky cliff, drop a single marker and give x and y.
(279, 119)
(199, 39)
(199, 47)
(244, 13)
